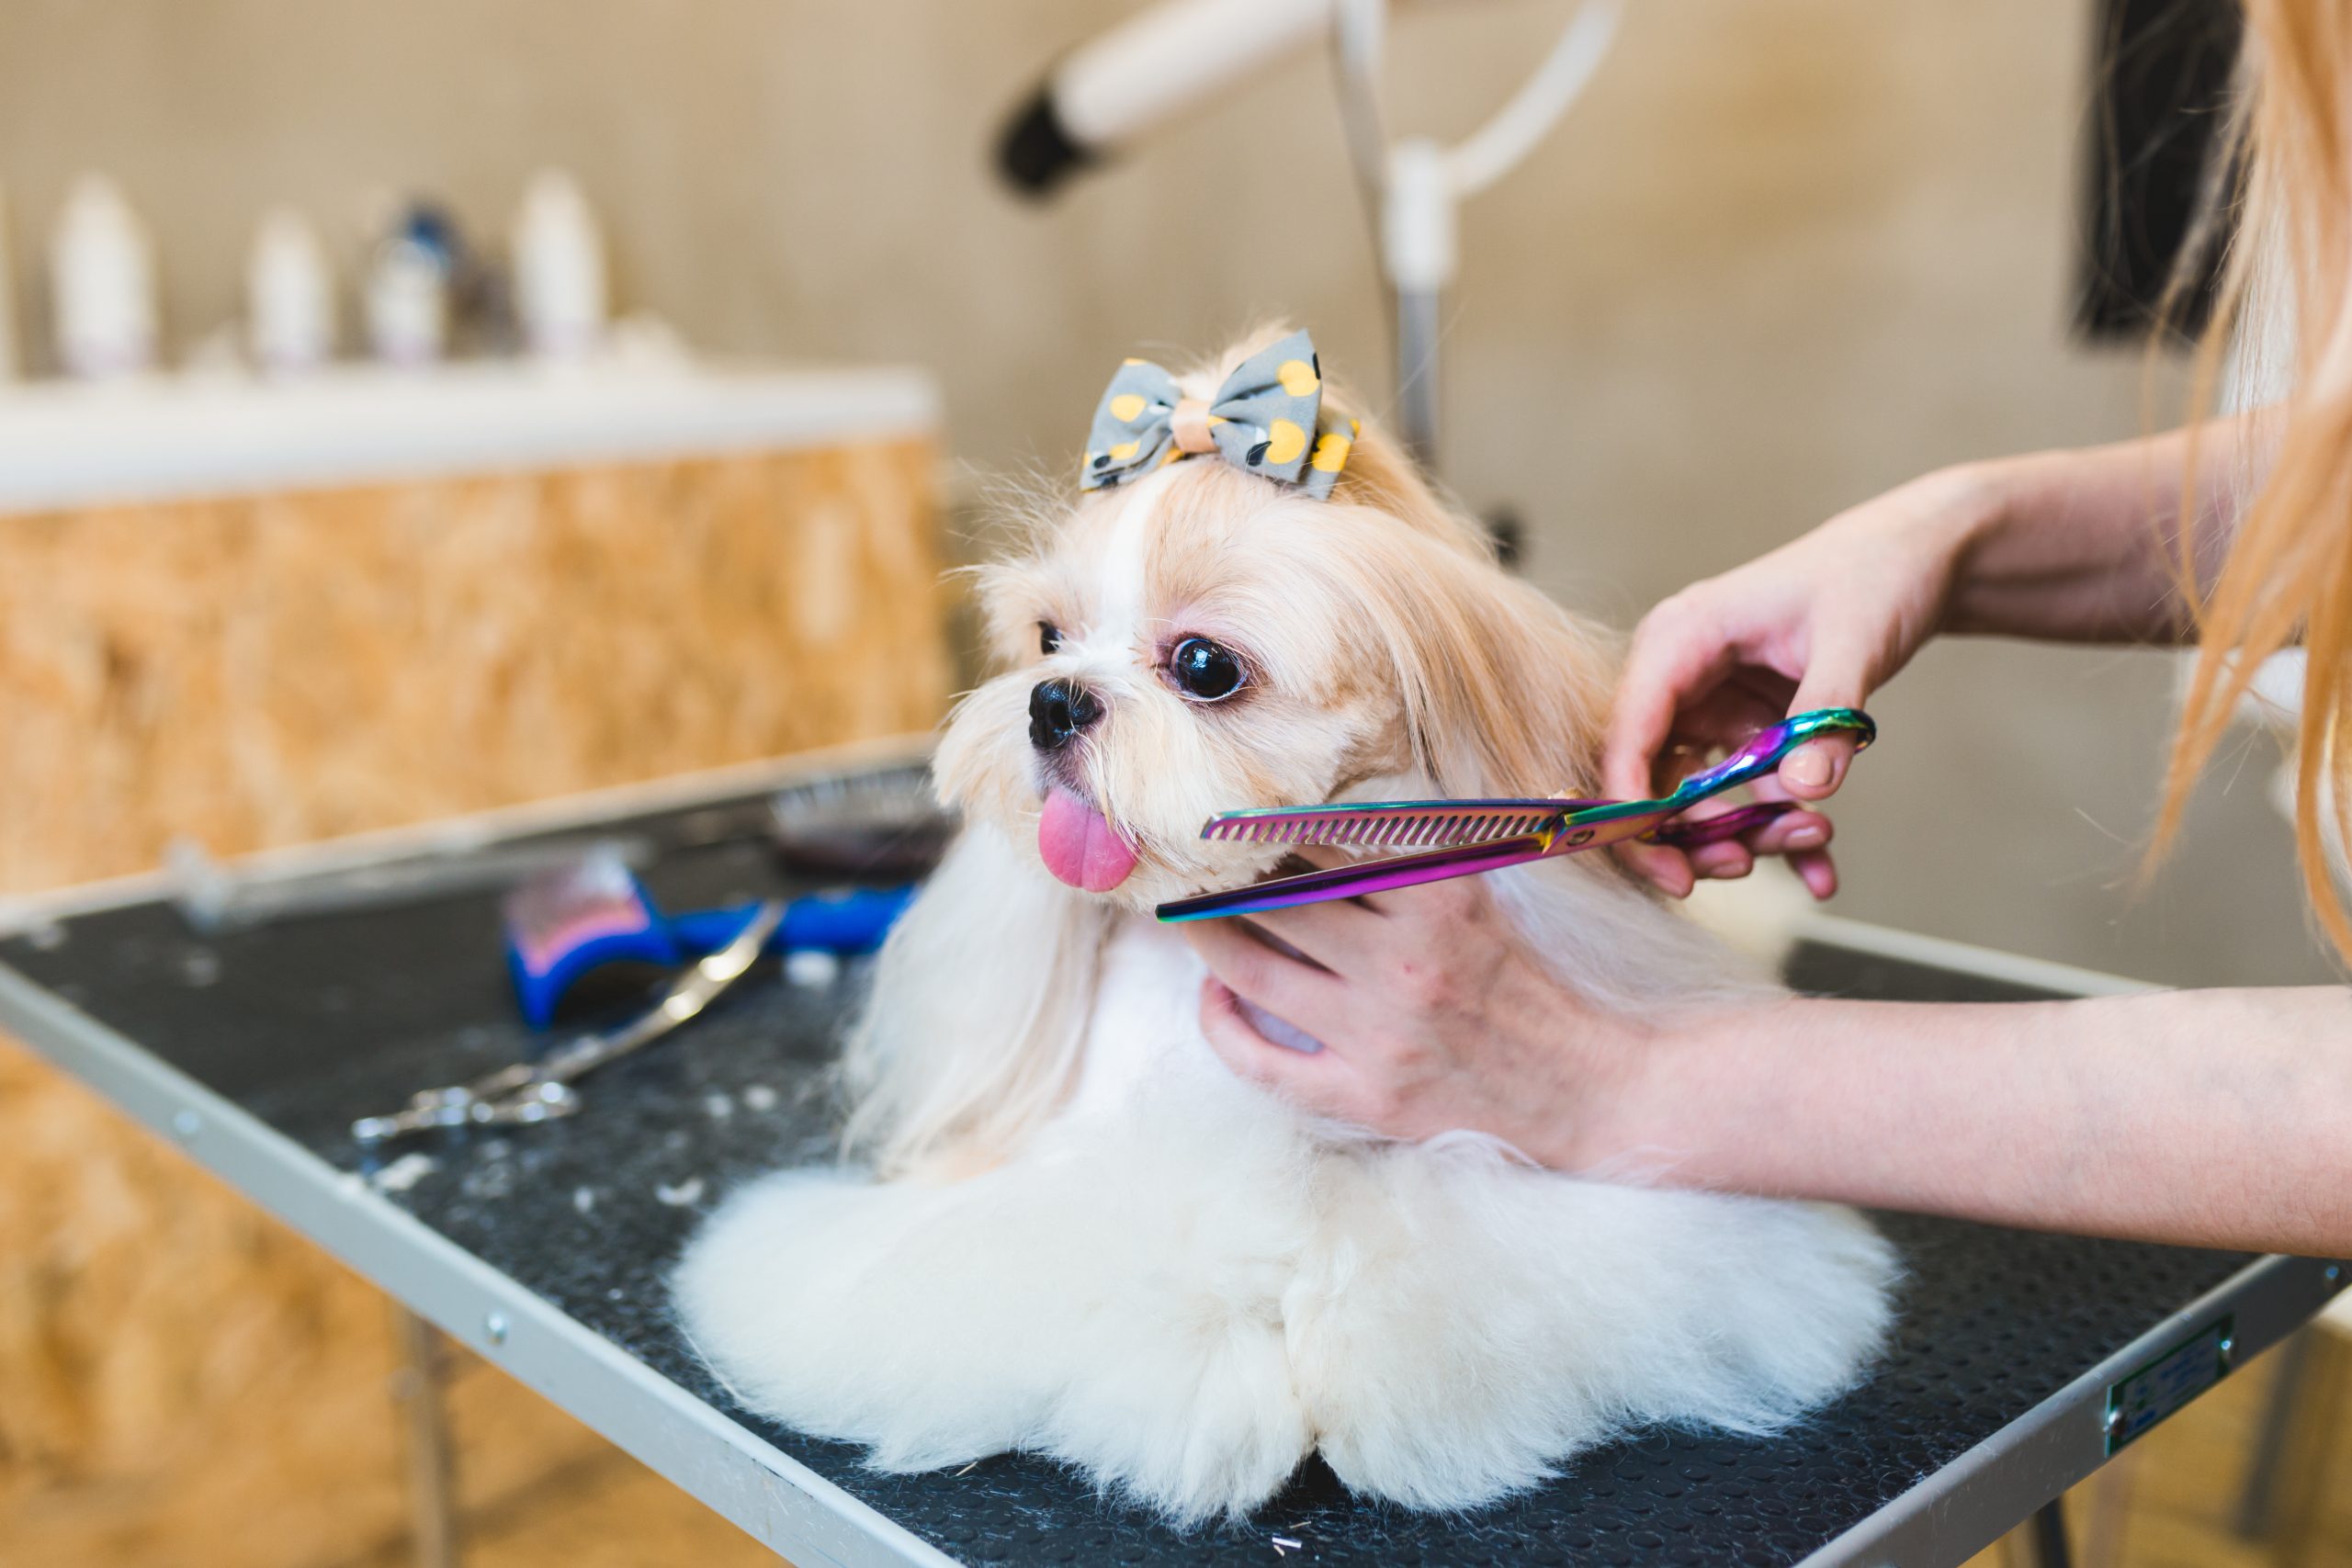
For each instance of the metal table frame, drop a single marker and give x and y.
(1987, 1491)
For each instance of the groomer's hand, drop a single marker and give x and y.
(1431, 1013)
(1821, 621)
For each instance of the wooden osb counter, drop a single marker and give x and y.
(259, 616)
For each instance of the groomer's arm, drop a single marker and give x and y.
(2085, 545)
(2079, 546)
(2218, 1118)
(2200, 1117)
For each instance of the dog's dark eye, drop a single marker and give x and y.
(1204, 669)
(1049, 637)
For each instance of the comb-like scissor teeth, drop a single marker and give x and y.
(1462, 838)
(1415, 822)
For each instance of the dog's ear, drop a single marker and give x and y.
(974, 1030)
(1504, 691)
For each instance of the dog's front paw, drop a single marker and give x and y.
(1474, 1325)
(1410, 1409)
(1194, 1419)
(1046, 1306)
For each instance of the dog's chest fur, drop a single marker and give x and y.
(1144, 1025)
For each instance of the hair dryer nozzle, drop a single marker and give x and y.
(1035, 153)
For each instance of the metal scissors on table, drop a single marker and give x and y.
(541, 1091)
(1463, 838)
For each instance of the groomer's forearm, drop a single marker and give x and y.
(2215, 1117)
(2084, 545)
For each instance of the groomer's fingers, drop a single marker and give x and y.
(1815, 869)
(1282, 985)
(1790, 833)
(1668, 668)
(1724, 718)
(1363, 942)
(1723, 861)
(1341, 935)
(1837, 678)
(1668, 870)
(1677, 660)
(1812, 867)
(1321, 1081)
(1803, 837)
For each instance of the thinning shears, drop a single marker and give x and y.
(1463, 838)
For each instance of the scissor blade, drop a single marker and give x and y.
(1414, 824)
(1367, 876)
(1689, 833)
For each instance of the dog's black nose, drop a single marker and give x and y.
(1058, 710)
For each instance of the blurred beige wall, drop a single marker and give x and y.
(1787, 253)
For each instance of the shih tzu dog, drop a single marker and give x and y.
(1071, 1229)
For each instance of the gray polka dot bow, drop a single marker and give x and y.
(1263, 421)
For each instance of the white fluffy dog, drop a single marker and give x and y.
(1079, 1234)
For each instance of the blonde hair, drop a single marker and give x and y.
(2286, 577)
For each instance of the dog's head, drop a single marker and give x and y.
(1202, 640)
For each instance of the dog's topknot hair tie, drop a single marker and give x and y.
(1265, 420)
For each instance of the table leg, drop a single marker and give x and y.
(2258, 1510)
(2292, 1476)
(417, 1386)
(2106, 1514)
(2047, 1529)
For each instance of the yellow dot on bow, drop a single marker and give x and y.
(1297, 377)
(1332, 452)
(1122, 451)
(1285, 442)
(1125, 406)
(1170, 455)
(1131, 362)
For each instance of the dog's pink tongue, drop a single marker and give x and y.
(1078, 847)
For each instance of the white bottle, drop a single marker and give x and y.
(560, 284)
(102, 283)
(408, 304)
(289, 295)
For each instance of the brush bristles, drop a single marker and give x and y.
(1424, 828)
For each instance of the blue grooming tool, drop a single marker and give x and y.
(564, 923)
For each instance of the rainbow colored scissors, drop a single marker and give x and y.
(1463, 838)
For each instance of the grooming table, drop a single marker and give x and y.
(2022, 1360)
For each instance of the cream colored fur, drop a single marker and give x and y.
(1074, 1231)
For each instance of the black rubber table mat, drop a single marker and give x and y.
(310, 1024)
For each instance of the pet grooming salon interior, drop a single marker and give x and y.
(1184, 782)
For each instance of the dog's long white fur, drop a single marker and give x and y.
(1095, 1242)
